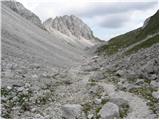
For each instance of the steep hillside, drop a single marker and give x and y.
(24, 43)
(21, 10)
(132, 37)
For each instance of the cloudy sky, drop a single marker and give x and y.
(107, 18)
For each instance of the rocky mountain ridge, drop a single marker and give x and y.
(21, 10)
(71, 26)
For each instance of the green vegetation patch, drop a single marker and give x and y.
(87, 107)
(5, 92)
(118, 42)
(145, 44)
(152, 26)
(124, 109)
(125, 40)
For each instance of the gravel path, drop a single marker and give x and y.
(138, 107)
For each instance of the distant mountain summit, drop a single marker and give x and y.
(71, 26)
(21, 10)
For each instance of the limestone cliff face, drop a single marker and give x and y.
(71, 26)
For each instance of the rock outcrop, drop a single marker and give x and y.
(71, 26)
(21, 10)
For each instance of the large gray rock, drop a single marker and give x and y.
(139, 82)
(109, 111)
(97, 101)
(154, 84)
(90, 116)
(71, 111)
(130, 74)
(98, 76)
(90, 68)
(154, 77)
(118, 101)
(120, 73)
(155, 94)
(151, 67)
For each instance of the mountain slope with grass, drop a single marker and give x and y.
(120, 42)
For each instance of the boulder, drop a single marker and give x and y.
(130, 74)
(9, 87)
(98, 76)
(154, 84)
(93, 90)
(154, 77)
(150, 67)
(139, 82)
(105, 98)
(109, 111)
(120, 73)
(94, 57)
(27, 85)
(35, 77)
(20, 89)
(89, 68)
(131, 86)
(90, 116)
(155, 95)
(119, 101)
(71, 111)
(97, 101)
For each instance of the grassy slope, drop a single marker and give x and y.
(145, 44)
(131, 37)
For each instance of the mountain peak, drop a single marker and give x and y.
(68, 16)
(71, 26)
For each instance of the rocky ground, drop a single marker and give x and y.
(45, 74)
(84, 90)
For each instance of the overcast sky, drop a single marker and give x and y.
(107, 18)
